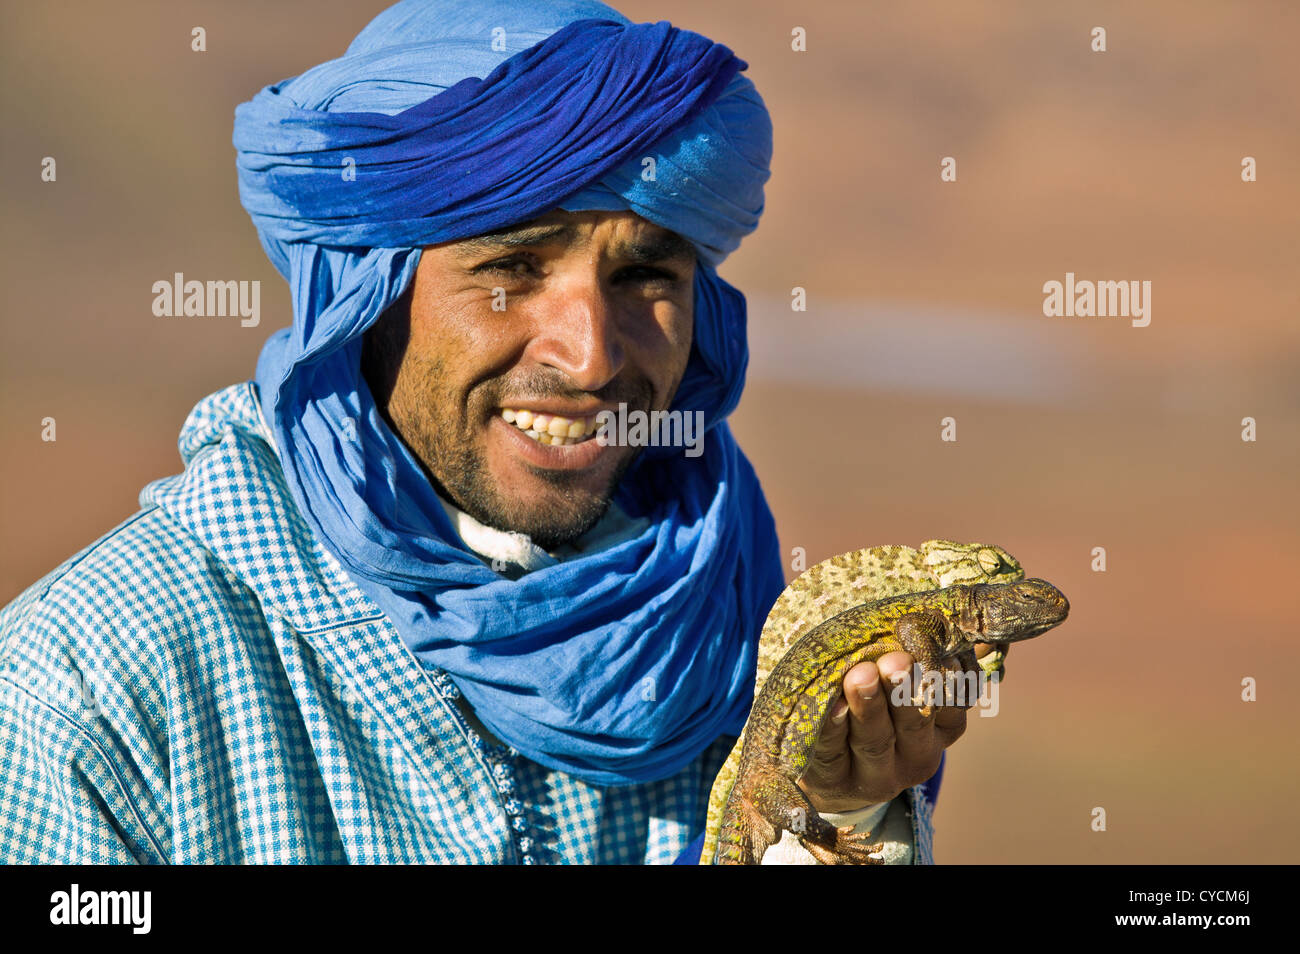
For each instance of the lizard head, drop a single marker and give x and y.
(1013, 611)
(950, 562)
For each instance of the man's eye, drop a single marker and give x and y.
(513, 266)
(520, 267)
(645, 274)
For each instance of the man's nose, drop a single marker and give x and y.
(577, 332)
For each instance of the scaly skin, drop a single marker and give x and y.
(788, 714)
(846, 581)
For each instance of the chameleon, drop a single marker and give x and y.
(849, 580)
(788, 714)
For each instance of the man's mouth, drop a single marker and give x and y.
(551, 428)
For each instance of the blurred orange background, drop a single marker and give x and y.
(924, 302)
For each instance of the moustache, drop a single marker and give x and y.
(540, 386)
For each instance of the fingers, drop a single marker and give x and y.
(871, 730)
(921, 737)
(875, 727)
(949, 725)
(915, 727)
(830, 756)
(852, 763)
(983, 649)
(870, 747)
(897, 738)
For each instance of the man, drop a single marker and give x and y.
(404, 604)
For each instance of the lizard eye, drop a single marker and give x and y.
(1033, 591)
(989, 560)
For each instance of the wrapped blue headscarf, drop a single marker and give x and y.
(443, 120)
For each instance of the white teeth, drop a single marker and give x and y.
(550, 429)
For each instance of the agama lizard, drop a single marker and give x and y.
(843, 582)
(788, 714)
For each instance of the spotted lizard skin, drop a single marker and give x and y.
(846, 581)
(788, 715)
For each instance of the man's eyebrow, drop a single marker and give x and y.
(659, 247)
(516, 236)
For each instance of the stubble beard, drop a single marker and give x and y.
(462, 476)
(444, 437)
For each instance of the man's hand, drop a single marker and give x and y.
(870, 750)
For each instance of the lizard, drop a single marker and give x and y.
(848, 580)
(788, 714)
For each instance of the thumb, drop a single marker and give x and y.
(833, 741)
(833, 744)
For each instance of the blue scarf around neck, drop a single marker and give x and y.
(618, 666)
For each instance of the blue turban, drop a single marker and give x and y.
(443, 120)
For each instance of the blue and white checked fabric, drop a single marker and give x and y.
(204, 684)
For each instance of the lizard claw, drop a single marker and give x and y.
(851, 848)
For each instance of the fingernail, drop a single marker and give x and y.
(840, 712)
(867, 693)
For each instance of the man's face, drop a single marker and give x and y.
(567, 315)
